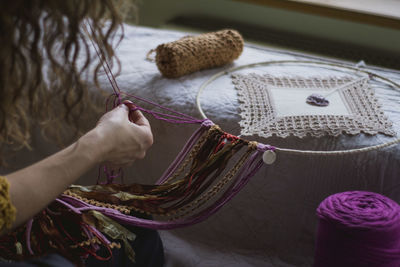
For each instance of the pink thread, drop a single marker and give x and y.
(99, 235)
(111, 79)
(110, 174)
(263, 148)
(68, 206)
(186, 148)
(190, 118)
(28, 235)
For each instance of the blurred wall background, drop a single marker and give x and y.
(349, 36)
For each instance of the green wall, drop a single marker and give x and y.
(156, 13)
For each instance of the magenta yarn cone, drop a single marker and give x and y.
(358, 228)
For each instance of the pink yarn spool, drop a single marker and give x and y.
(358, 228)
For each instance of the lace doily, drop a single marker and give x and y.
(277, 106)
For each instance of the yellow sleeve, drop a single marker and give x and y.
(7, 210)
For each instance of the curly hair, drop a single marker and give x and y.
(44, 58)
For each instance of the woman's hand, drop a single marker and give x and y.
(120, 138)
(116, 140)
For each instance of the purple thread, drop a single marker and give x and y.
(68, 206)
(358, 228)
(186, 148)
(90, 235)
(263, 148)
(117, 91)
(108, 101)
(28, 235)
(99, 175)
(190, 118)
(159, 116)
(53, 212)
(100, 235)
(111, 79)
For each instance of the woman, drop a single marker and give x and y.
(44, 56)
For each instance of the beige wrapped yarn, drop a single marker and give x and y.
(194, 53)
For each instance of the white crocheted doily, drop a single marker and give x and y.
(277, 106)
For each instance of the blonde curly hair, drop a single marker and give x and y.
(45, 57)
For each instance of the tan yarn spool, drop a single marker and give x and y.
(194, 53)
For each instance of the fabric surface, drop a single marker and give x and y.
(358, 228)
(272, 221)
(7, 210)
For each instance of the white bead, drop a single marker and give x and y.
(269, 157)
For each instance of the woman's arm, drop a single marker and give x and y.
(115, 140)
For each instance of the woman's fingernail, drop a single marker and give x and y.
(130, 105)
(126, 102)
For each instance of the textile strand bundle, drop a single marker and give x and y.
(358, 228)
(194, 53)
(211, 169)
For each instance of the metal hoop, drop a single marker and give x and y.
(296, 151)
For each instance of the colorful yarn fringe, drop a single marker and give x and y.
(211, 169)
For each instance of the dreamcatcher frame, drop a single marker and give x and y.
(371, 75)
